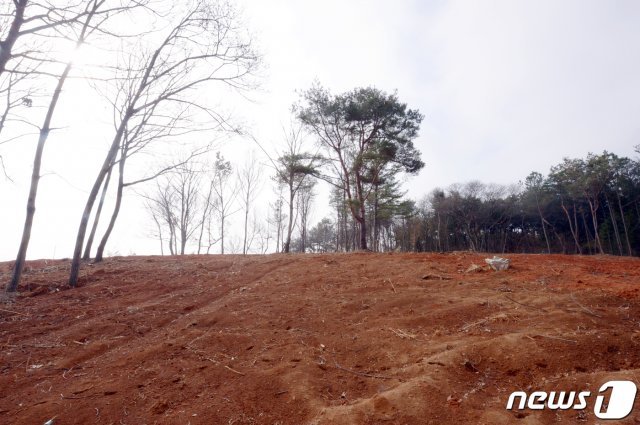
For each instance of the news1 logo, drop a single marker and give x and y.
(618, 406)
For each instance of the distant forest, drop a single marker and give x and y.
(582, 206)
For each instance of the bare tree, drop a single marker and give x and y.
(294, 169)
(175, 206)
(93, 9)
(203, 47)
(124, 155)
(263, 234)
(36, 38)
(160, 206)
(224, 194)
(20, 19)
(277, 214)
(185, 185)
(249, 183)
(257, 233)
(142, 135)
(206, 220)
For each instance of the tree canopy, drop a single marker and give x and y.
(363, 133)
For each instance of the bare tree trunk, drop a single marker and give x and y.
(279, 228)
(439, 242)
(96, 219)
(205, 211)
(31, 207)
(586, 232)
(472, 245)
(614, 222)
(246, 222)
(116, 210)
(544, 229)
(159, 234)
(6, 45)
(287, 244)
(575, 224)
(560, 239)
(594, 210)
(183, 241)
(376, 247)
(222, 234)
(573, 232)
(446, 232)
(111, 155)
(172, 239)
(37, 162)
(362, 220)
(624, 225)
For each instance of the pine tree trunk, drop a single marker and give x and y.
(614, 222)
(624, 225)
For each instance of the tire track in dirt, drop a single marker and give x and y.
(170, 327)
(177, 317)
(305, 339)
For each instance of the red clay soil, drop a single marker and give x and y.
(315, 339)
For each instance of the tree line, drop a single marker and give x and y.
(582, 206)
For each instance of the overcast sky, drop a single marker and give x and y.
(506, 87)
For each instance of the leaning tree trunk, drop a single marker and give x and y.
(593, 206)
(82, 229)
(573, 232)
(35, 176)
(116, 210)
(31, 210)
(96, 219)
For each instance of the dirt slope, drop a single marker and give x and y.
(315, 339)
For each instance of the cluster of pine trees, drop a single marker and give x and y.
(582, 206)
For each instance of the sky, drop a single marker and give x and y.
(506, 86)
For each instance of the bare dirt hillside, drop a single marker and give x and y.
(315, 339)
